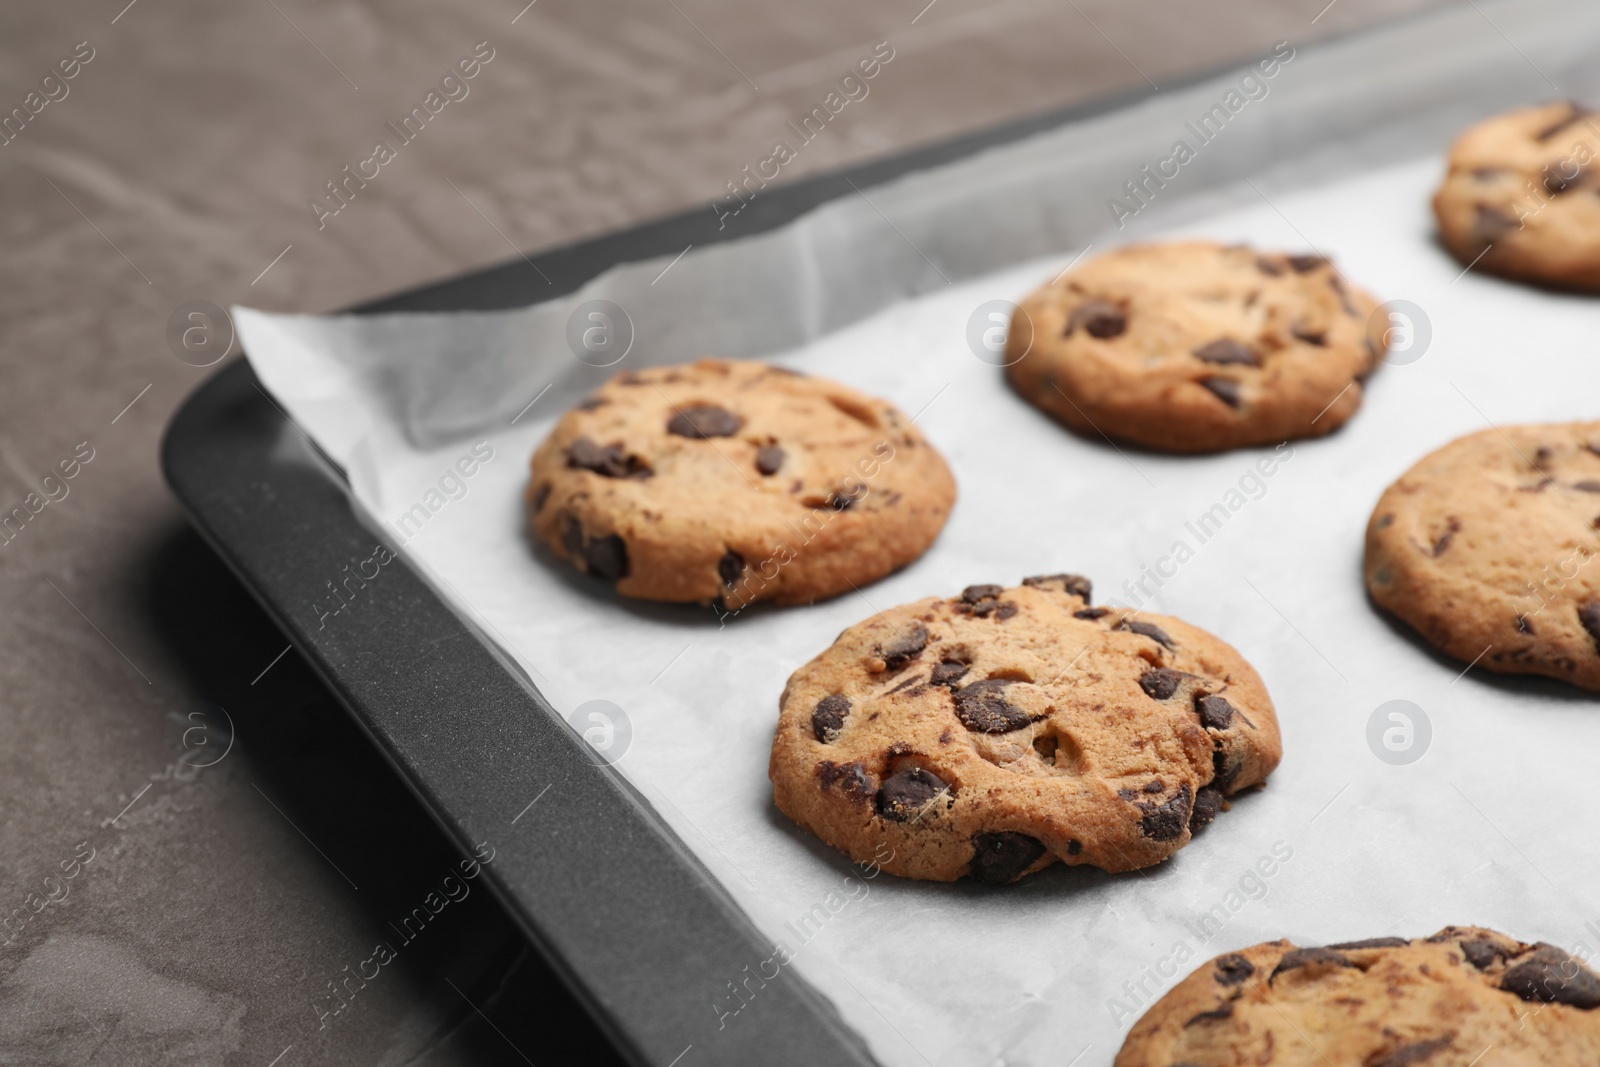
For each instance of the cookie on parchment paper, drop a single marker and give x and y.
(727, 483)
(1443, 1001)
(1196, 347)
(1488, 548)
(1522, 197)
(999, 731)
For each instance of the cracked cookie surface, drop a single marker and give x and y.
(1521, 198)
(1196, 347)
(731, 482)
(996, 732)
(1487, 548)
(1441, 1001)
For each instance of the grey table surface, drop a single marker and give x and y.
(159, 911)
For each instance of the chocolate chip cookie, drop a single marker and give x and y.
(1522, 197)
(729, 483)
(996, 732)
(1197, 347)
(1487, 547)
(1443, 1001)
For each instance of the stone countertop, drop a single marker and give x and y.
(164, 912)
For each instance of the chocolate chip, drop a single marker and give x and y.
(1226, 350)
(905, 648)
(1145, 629)
(1306, 957)
(1004, 611)
(1556, 184)
(769, 459)
(1207, 802)
(974, 593)
(1215, 712)
(1493, 222)
(1445, 538)
(572, 535)
(730, 567)
(907, 792)
(1233, 969)
(903, 686)
(1482, 953)
(1370, 942)
(1091, 613)
(1269, 267)
(703, 421)
(1214, 1015)
(1222, 775)
(607, 557)
(1224, 389)
(844, 501)
(592, 403)
(999, 857)
(609, 461)
(1307, 264)
(1074, 584)
(1337, 285)
(540, 495)
(1524, 626)
(1416, 1052)
(1589, 616)
(851, 778)
(1161, 683)
(1074, 846)
(982, 708)
(827, 718)
(1576, 112)
(1309, 334)
(1099, 318)
(1552, 976)
(1155, 785)
(1164, 822)
(1588, 485)
(949, 672)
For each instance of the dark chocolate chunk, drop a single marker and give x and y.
(1163, 822)
(1269, 267)
(1099, 318)
(609, 461)
(1309, 334)
(1074, 846)
(730, 567)
(1576, 111)
(1226, 350)
(827, 718)
(1005, 611)
(1222, 775)
(906, 793)
(1161, 683)
(1091, 613)
(1075, 584)
(1146, 629)
(999, 857)
(1215, 712)
(593, 403)
(1588, 485)
(1155, 785)
(1370, 942)
(1307, 264)
(1214, 1015)
(1493, 222)
(1453, 528)
(844, 501)
(540, 495)
(607, 557)
(949, 672)
(1224, 389)
(972, 594)
(703, 421)
(982, 708)
(1524, 626)
(769, 459)
(1555, 184)
(572, 535)
(1482, 953)
(905, 648)
(1233, 969)
(1589, 616)
(1207, 802)
(1415, 1052)
(1306, 957)
(851, 778)
(1552, 976)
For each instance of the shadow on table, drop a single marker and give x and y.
(320, 769)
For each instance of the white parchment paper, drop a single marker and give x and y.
(1488, 826)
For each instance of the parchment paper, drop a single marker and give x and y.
(1341, 155)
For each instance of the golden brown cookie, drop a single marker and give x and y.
(1488, 548)
(1463, 996)
(1522, 199)
(734, 482)
(999, 731)
(1196, 347)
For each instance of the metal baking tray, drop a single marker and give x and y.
(621, 908)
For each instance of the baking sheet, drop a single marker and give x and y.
(1342, 844)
